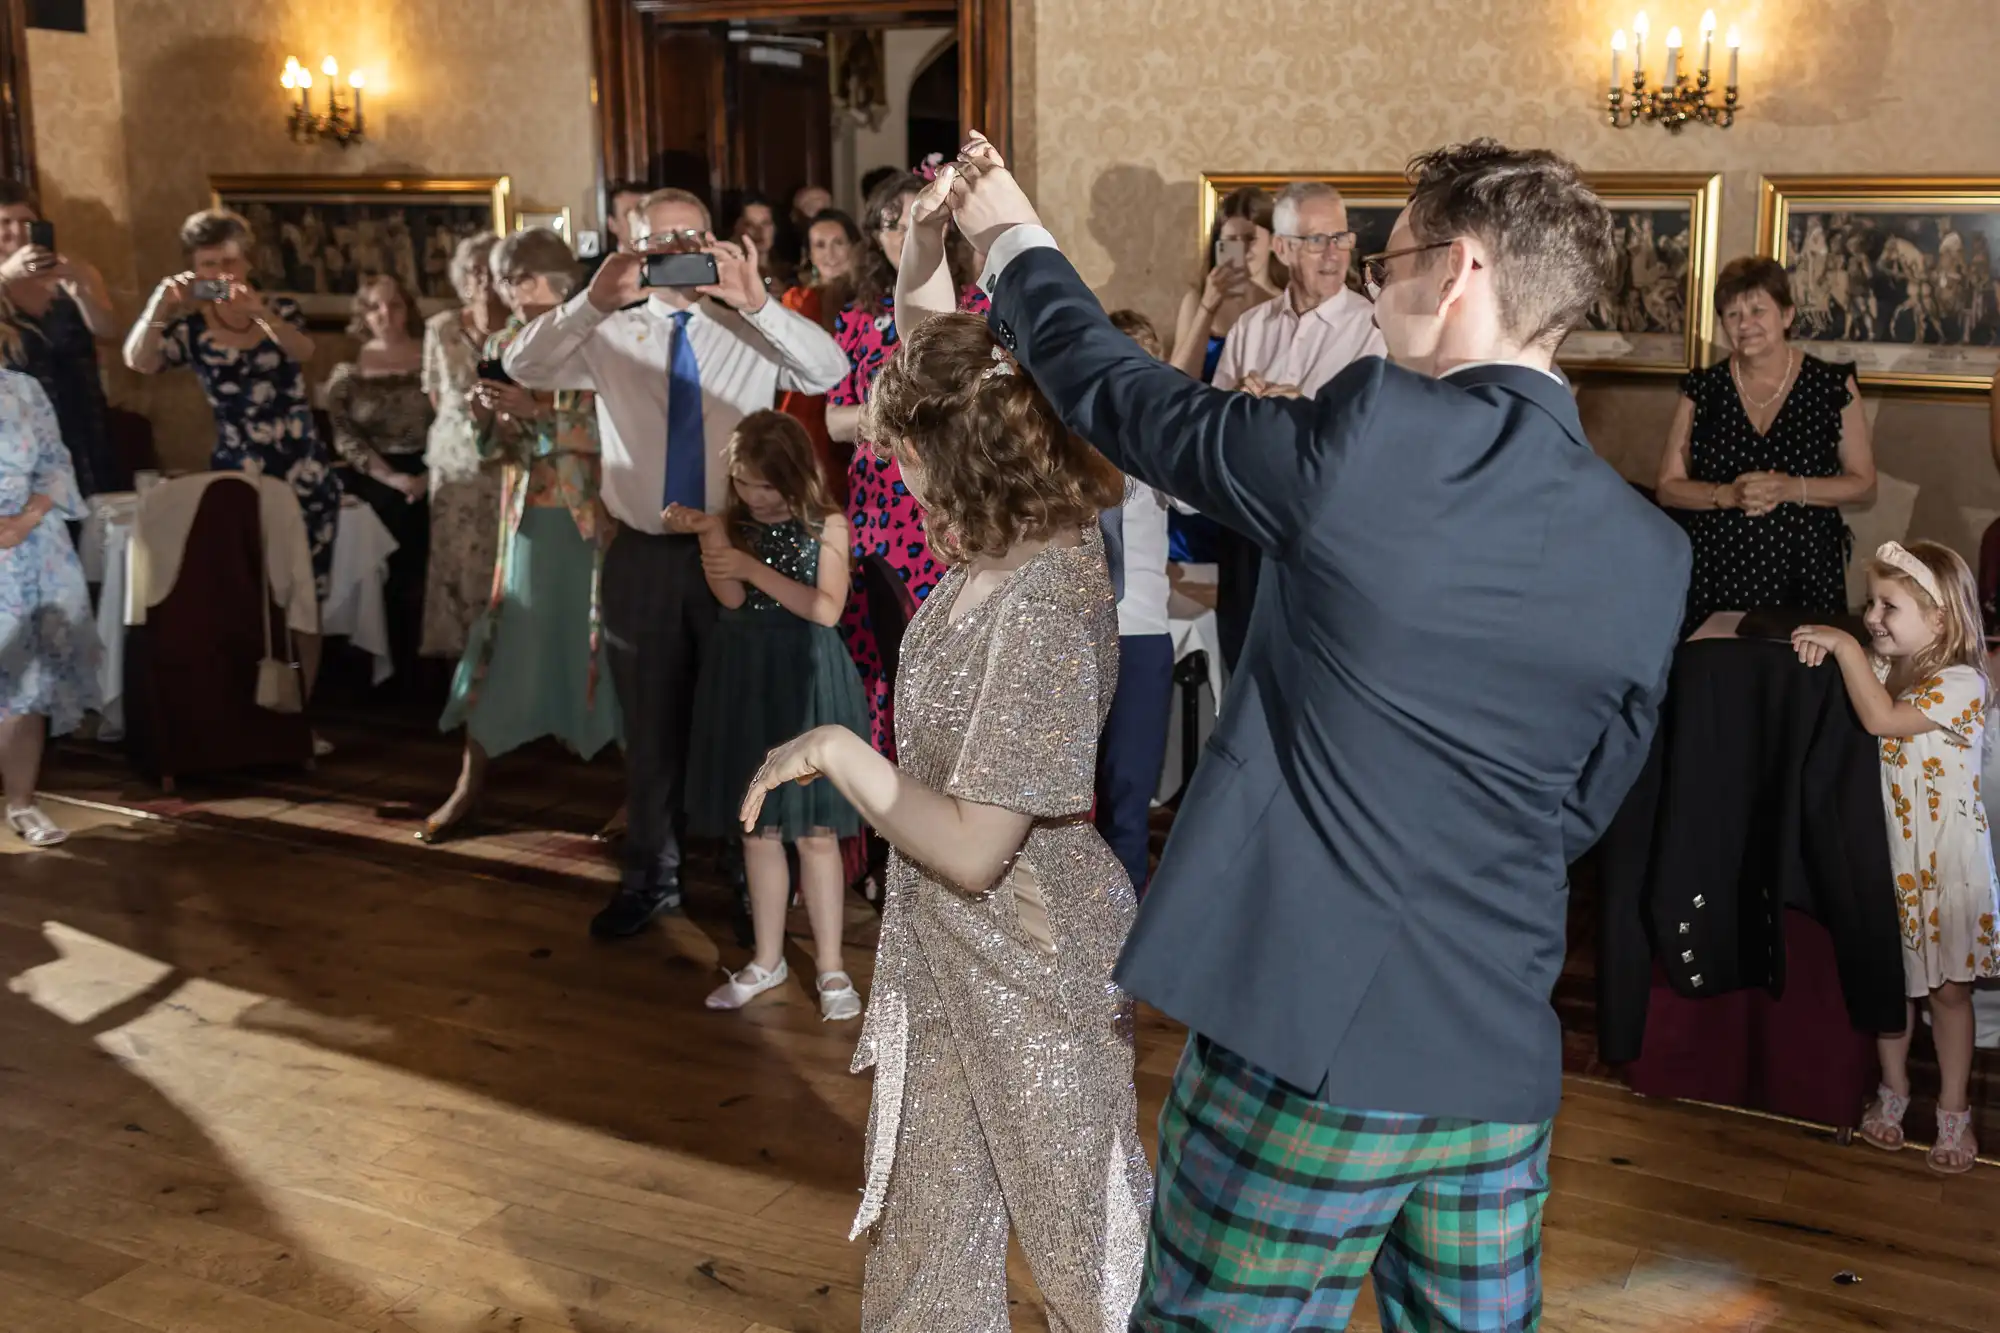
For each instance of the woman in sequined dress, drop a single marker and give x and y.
(1002, 1049)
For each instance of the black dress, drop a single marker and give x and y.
(1795, 557)
(60, 351)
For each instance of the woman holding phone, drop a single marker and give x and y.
(60, 308)
(1242, 273)
(249, 354)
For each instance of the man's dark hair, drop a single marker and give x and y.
(612, 189)
(1548, 235)
(1753, 273)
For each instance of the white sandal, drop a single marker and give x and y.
(838, 1000)
(745, 986)
(1882, 1122)
(1954, 1134)
(35, 828)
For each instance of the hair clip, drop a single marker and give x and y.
(1001, 365)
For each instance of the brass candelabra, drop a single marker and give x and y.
(1672, 108)
(341, 122)
(1680, 99)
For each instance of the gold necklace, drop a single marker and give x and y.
(1791, 367)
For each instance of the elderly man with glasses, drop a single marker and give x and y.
(1290, 348)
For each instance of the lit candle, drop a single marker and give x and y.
(1639, 30)
(330, 67)
(1617, 54)
(305, 90)
(354, 81)
(1673, 56)
(1734, 42)
(1707, 38)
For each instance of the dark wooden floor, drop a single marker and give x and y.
(255, 1082)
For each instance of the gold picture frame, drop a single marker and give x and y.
(1875, 258)
(315, 237)
(556, 220)
(1658, 325)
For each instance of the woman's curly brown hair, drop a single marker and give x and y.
(998, 465)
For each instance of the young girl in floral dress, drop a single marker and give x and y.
(1923, 690)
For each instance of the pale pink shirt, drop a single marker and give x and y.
(1307, 350)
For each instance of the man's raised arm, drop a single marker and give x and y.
(1258, 465)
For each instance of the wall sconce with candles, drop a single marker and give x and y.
(341, 121)
(1680, 99)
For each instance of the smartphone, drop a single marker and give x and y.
(42, 234)
(1231, 250)
(680, 270)
(492, 369)
(209, 289)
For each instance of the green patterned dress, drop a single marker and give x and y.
(767, 676)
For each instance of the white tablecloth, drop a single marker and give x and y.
(354, 606)
(354, 603)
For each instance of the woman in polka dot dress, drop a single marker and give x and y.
(885, 518)
(1765, 448)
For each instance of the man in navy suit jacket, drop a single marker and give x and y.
(1452, 675)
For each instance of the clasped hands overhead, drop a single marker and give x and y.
(976, 191)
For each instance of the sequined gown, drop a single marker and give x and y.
(1002, 1050)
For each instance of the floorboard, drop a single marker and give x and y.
(258, 1080)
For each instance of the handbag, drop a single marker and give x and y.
(279, 685)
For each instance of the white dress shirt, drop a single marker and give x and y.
(1143, 608)
(1275, 341)
(745, 361)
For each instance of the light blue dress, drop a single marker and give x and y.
(48, 641)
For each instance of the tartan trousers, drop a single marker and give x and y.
(1273, 1207)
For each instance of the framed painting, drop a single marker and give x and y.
(317, 237)
(1895, 274)
(556, 220)
(1655, 314)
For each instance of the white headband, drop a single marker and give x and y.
(1892, 553)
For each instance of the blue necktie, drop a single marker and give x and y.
(687, 464)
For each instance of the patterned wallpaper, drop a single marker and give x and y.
(1122, 103)
(133, 118)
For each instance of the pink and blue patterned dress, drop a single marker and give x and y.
(48, 642)
(886, 519)
(262, 411)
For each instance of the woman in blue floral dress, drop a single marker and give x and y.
(48, 641)
(249, 354)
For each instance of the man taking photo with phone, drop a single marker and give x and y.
(1289, 348)
(673, 376)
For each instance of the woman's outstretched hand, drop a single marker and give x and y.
(799, 760)
(930, 212)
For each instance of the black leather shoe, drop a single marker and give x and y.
(631, 910)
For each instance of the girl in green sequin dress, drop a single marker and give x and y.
(775, 667)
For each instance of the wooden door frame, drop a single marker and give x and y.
(620, 82)
(17, 119)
